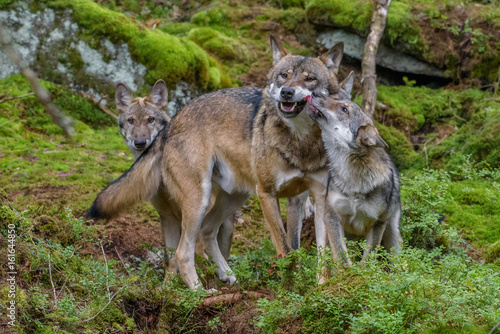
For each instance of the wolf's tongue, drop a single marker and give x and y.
(287, 106)
(308, 98)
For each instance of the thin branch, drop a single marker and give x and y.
(109, 302)
(6, 98)
(99, 104)
(58, 117)
(493, 329)
(107, 273)
(52, 282)
(121, 260)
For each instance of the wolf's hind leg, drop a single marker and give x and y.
(295, 213)
(373, 239)
(225, 236)
(225, 206)
(392, 239)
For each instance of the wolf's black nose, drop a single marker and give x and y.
(287, 93)
(140, 144)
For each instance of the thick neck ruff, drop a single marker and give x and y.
(359, 170)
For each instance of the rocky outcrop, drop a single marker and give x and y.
(58, 47)
(386, 57)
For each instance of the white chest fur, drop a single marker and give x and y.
(356, 214)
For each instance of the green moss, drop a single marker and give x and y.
(212, 16)
(477, 138)
(177, 28)
(220, 45)
(474, 207)
(400, 148)
(165, 56)
(343, 13)
(492, 253)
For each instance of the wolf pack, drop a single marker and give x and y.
(300, 136)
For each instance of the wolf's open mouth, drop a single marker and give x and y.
(292, 107)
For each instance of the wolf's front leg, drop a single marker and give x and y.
(272, 215)
(373, 239)
(335, 233)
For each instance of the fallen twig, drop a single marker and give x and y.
(121, 260)
(107, 273)
(6, 97)
(52, 282)
(230, 298)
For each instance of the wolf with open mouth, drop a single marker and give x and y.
(223, 146)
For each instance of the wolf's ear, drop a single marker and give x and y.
(123, 97)
(332, 57)
(347, 83)
(159, 94)
(278, 50)
(368, 135)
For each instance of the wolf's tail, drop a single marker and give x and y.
(137, 184)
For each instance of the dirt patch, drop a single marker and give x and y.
(131, 234)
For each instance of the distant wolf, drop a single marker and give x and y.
(363, 186)
(223, 146)
(140, 121)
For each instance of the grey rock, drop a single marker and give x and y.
(386, 56)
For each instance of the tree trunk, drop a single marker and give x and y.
(368, 77)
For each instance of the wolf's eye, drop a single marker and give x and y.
(130, 120)
(344, 109)
(309, 79)
(284, 75)
(151, 119)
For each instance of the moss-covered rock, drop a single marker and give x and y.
(165, 56)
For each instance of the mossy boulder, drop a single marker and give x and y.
(165, 56)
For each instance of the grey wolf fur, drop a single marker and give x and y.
(140, 121)
(300, 206)
(222, 146)
(363, 189)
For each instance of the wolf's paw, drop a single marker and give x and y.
(229, 279)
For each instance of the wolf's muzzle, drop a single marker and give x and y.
(287, 93)
(140, 144)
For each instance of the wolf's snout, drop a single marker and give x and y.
(287, 93)
(140, 144)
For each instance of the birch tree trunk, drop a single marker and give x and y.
(58, 117)
(368, 76)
